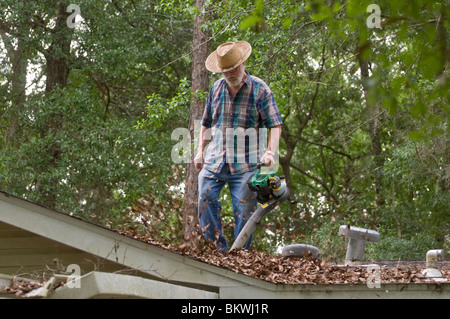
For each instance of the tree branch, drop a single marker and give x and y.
(318, 180)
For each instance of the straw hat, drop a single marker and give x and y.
(228, 56)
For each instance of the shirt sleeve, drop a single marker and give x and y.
(268, 110)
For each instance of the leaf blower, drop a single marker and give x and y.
(271, 191)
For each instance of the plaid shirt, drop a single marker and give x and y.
(238, 125)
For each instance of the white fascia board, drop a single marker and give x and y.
(339, 291)
(108, 285)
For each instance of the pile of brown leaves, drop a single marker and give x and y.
(21, 287)
(296, 270)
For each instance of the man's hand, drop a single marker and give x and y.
(274, 137)
(267, 159)
(199, 160)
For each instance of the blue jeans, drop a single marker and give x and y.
(209, 208)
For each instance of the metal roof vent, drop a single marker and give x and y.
(357, 242)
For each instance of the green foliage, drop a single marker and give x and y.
(161, 111)
(256, 18)
(77, 148)
(332, 247)
(395, 248)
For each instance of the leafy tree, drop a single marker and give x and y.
(71, 140)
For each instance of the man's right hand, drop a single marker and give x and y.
(199, 160)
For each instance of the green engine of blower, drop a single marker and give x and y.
(266, 185)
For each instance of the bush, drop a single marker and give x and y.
(394, 248)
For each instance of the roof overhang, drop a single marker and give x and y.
(110, 245)
(168, 267)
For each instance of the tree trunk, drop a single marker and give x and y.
(200, 43)
(374, 114)
(57, 72)
(57, 55)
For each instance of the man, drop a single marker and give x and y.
(239, 109)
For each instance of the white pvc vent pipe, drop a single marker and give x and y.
(432, 257)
